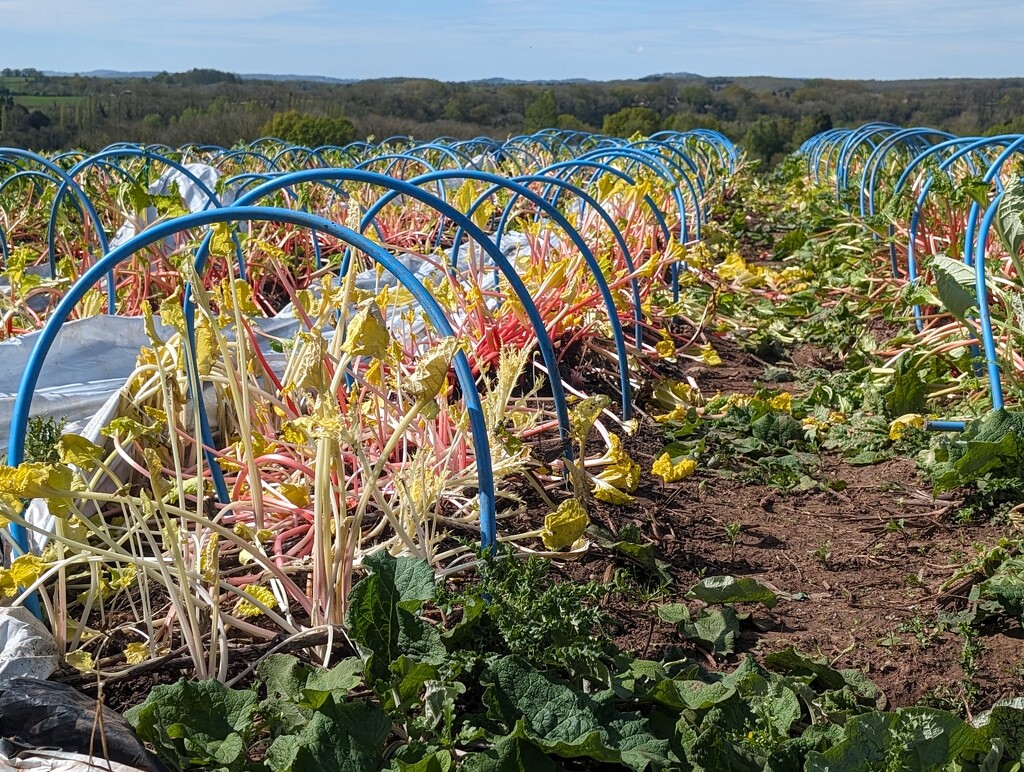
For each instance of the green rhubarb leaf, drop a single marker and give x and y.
(510, 754)
(438, 761)
(1008, 222)
(921, 739)
(992, 445)
(350, 735)
(196, 723)
(338, 681)
(955, 283)
(1005, 722)
(409, 677)
(716, 631)
(691, 694)
(1003, 592)
(728, 589)
(908, 393)
(674, 613)
(381, 615)
(564, 721)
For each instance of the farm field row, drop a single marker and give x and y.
(565, 452)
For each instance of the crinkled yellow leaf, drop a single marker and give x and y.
(609, 494)
(623, 472)
(669, 472)
(158, 416)
(709, 356)
(782, 402)
(584, 415)
(222, 245)
(367, 334)
(428, 378)
(374, 374)
(150, 327)
(25, 571)
(899, 427)
(128, 430)
(234, 293)
(209, 558)
(309, 367)
(171, 313)
(665, 349)
(81, 660)
(296, 494)
(136, 653)
(810, 422)
(79, 451)
(124, 578)
(672, 394)
(264, 595)
(33, 480)
(564, 526)
(156, 471)
(206, 347)
(732, 267)
(738, 400)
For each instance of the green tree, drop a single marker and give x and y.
(566, 121)
(765, 138)
(310, 130)
(541, 113)
(631, 120)
(685, 121)
(811, 125)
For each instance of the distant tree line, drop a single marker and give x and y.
(771, 116)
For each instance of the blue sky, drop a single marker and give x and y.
(528, 39)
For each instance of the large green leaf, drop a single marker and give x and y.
(955, 283)
(381, 612)
(992, 445)
(777, 430)
(196, 723)
(716, 631)
(1003, 592)
(566, 722)
(350, 735)
(690, 694)
(921, 739)
(825, 678)
(510, 754)
(1008, 221)
(729, 589)
(1005, 722)
(908, 393)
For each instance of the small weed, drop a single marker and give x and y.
(968, 660)
(823, 554)
(732, 533)
(896, 526)
(923, 630)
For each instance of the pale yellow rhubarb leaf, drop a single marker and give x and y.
(247, 609)
(367, 333)
(428, 378)
(79, 451)
(669, 472)
(564, 526)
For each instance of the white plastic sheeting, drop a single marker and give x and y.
(40, 760)
(193, 195)
(27, 648)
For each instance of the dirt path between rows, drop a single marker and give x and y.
(858, 570)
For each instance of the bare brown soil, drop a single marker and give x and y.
(858, 571)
